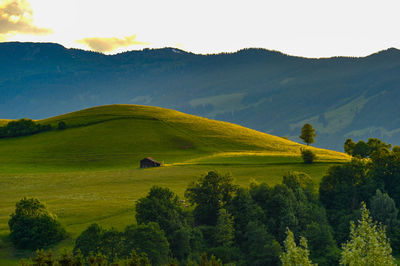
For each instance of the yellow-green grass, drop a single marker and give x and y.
(4, 122)
(90, 172)
(120, 135)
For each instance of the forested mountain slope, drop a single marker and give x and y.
(264, 90)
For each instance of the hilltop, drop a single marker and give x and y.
(260, 89)
(118, 136)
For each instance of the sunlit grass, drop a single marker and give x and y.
(90, 171)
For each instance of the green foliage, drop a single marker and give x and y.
(61, 125)
(32, 226)
(22, 127)
(383, 209)
(209, 194)
(365, 149)
(89, 241)
(308, 156)
(213, 261)
(342, 190)
(162, 206)
(294, 205)
(295, 255)
(308, 134)
(136, 260)
(261, 247)
(368, 244)
(147, 238)
(224, 229)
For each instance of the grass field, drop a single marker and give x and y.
(90, 171)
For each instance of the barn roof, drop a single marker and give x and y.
(150, 159)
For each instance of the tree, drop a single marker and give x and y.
(89, 241)
(308, 156)
(147, 238)
(262, 248)
(368, 244)
(295, 255)
(62, 125)
(32, 226)
(308, 134)
(161, 206)
(210, 193)
(224, 230)
(383, 209)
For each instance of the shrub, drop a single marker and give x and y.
(32, 226)
(62, 125)
(308, 156)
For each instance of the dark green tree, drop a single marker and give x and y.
(224, 229)
(308, 156)
(261, 247)
(161, 206)
(90, 240)
(209, 194)
(62, 125)
(147, 238)
(383, 210)
(308, 134)
(349, 146)
(32, 226)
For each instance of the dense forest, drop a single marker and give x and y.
(219, 222)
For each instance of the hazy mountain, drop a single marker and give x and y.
(264, 90)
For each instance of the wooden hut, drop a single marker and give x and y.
(149, 162)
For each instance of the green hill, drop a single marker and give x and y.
(90, 171)
(120, 135)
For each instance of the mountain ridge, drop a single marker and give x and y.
(265, 90)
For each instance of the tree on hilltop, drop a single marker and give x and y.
(308, 134)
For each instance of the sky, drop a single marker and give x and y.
(309, 28)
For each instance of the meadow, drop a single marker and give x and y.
(90, 171)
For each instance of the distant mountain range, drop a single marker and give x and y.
(341, 97)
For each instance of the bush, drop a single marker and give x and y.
(32, 226)
(308, 156)
(62, 125)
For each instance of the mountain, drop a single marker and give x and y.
(118, 136)
(341, 97)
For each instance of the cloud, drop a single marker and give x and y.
(16, 16)
(110, 44)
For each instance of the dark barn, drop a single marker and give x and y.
(149, 162)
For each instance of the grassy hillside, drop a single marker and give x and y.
(121, 135)
(90, 171)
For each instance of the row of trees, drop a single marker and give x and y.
(25, 127)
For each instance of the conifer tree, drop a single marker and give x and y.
(295, 255)
(368, 244)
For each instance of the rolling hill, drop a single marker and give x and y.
(118, 136)
(260, 89)
(89, 172)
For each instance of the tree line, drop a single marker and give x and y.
(26, 127)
